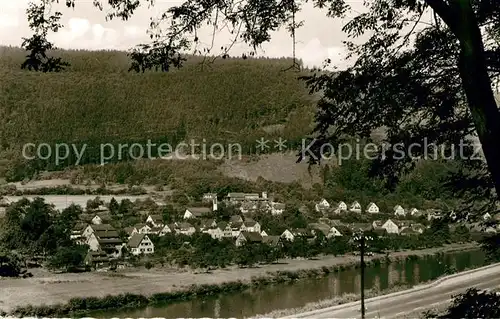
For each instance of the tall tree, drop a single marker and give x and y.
(432, 82)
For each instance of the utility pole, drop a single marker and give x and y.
(362, 253)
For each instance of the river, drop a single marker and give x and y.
(285, 296)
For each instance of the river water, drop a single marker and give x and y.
(284, 296)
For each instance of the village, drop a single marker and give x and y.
(106, 243)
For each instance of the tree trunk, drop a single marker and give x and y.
(477, 86)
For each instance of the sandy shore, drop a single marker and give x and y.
(48, 288)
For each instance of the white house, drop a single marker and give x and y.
(208, 224)
(140, 244)
(248, 237)
(355, 207)
(277, 208)
(334, 232)
(322, 205)
(107, 240)
(390, 227)
(92, 228)
(287, 235)
(486, 216)
(97, 220)
(143, 228)
(372, 208)
(167, 229)
(186, 229)
(414, 212)
(196, 212)
(250, 226)
(215, 232)
(131, 231)
(341, 207)
(155, 220)
(399, 211)
(263, 233)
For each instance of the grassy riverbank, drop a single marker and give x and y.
(60, 295)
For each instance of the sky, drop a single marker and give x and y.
(85, 27)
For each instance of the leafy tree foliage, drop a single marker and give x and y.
(472, 304)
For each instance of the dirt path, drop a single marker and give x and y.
(47, 288)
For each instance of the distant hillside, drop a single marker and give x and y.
(96, 100)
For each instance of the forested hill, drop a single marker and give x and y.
(97, 100)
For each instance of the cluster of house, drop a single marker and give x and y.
(248, 202)
(372, 208)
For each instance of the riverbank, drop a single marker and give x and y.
(56, 290)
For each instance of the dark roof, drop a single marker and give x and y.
(198, 211)
(207, 222)
(185, 226)
(271, 240)
(156, 218)
(235, 218)
(252, 236)
(222, 225)
(103, 234)
(109, 241)
(250, 223)
(361, 226)
(136, 240)
(129, 230)
(102, 227)
(80, 226)
(236, 225)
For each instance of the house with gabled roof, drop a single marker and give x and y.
(415, 212)
(322, 205)
(155, 220)
(185, 229)
(208, 223)
(143, 228)
(167, 229)
(77, 233)
(273, 241)
(399, 211)
(319, 227)
(294, 233)
(391, 227)
(360, 227)
(277, 208)
(130, 231)
(106, 240)
(264, 233)
(140, 244)
(355, 207)
(196, 212)
(372, 208)
(214, 232)
(235, 219)
(250, 226)
(209, 197)
(417, 227)
(226, 229)
(340, 207)
(95, 227)
(248, 237)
